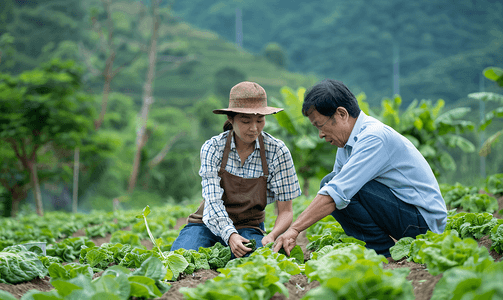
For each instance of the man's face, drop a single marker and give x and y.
(335, 129)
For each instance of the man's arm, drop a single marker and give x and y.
(320, 207)
(283, 221)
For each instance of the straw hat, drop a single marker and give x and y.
(248, 98)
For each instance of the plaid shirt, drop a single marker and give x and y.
(282, 183)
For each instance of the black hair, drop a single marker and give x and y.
(327, 95)
(228, 124)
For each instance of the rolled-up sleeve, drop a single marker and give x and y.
(215, 216)
(367, 159)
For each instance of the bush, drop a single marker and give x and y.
(275, 54)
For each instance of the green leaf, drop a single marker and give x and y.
(401, 248)
(66, 287)
(152, 268)
(446, 161)
(142, 286)
(146, 211)
(493, 73)
(113, 284)
(176, 263)
(486, 96)
(305, 142)
(6, 296)
(427, 151)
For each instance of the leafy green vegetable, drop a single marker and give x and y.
(494, 184)
(353, 272)
(296, 253)
(441, 252)
(481, 281)
(479, 203)
(218, 255)
(331, 234)
(96, 257)
(259, 276)
(497, 237)
(453, 196)
(126, 237)
(19, 265)
(195, 259)
(176, 263)
(474, 225)
(135, 257)
(69, 271)
(68, 249)
(401, 248)
(252, 244)
(6, 296)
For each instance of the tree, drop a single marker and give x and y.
(40, 109)
(429, 130)
(275, 54)
(141, 136)
(495, 74)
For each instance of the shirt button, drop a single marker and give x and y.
(356, 139)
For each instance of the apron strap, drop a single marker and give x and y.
(262, 155)
(225, 157)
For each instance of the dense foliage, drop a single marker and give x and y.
(440, 47)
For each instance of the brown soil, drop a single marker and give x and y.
(298, 285)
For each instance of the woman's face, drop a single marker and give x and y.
(247, 127)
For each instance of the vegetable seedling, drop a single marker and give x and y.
(145, 213)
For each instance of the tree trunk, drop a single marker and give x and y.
(147, 99)
(32, 168)
(106, 92)
(18, 193)
(305, 188)
(160, 156)
(76, 165)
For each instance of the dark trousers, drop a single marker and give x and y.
(375, 213)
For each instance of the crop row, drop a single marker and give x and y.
(342, 265)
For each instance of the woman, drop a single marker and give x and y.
(243, 169)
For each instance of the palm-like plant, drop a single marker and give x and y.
(494, 74)
(430, 130)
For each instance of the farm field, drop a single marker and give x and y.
(99, 254)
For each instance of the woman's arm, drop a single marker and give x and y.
(283, 221)
(215, 216)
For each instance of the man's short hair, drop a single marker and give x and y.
(327, 95)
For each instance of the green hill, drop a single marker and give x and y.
(443, 46)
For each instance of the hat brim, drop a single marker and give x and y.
(253, 111)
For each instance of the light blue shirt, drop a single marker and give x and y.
(376, 151)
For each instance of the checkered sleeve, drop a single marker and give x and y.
(284, 182)
(215, 216)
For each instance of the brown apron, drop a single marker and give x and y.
(244, 198)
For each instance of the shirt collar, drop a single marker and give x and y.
(356, 129)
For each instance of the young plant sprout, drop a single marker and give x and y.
(145, 213)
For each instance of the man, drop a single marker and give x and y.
(381, 187)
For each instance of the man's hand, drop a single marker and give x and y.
(236, 243)
(287, 240)
(268, 239)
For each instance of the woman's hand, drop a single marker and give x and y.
(236, 243)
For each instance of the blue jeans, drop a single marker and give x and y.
(375, 213)
(195, 235)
